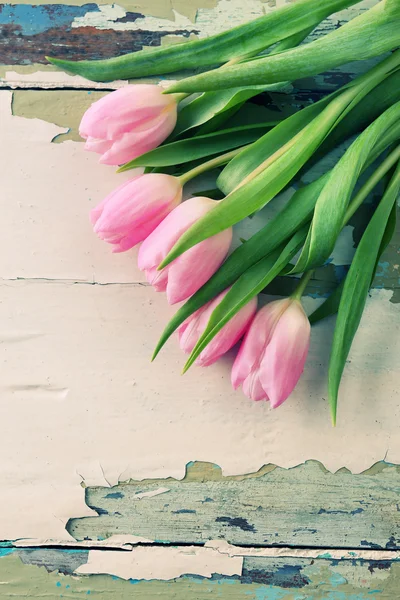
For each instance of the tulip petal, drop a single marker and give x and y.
(159, 243)
(258, 336)
(252, 387)
(285, 356)
(190, 271)
(158, 279)
(139, 201)
(229, 335)
(133, 143)
(123, 109)
(96, 145)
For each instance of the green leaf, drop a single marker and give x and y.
(210, 105)
(332, 204)
(250, 284)
(251, 158)
(290, 219)
(369, 108)
(278, 170)
(185, 151)
(214, 107)
(251, 37)
(372, 33)
(331, 304)
(356, 288)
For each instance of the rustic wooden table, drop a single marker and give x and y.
(95, 496)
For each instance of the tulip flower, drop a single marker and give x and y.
(131, 212)
(185, 275)
(191, 330)
(272, 355)
(128, 122)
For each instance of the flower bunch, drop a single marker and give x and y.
(185, 245)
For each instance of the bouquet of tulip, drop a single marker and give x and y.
(194, 126)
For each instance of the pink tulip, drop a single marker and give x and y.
(272, 355)
(191, 330)
(128, 122)
(131, 212)
(187, 273)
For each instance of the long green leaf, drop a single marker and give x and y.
(368, 109)
(356, 288)
(333, 201)
(209, 105)
(372, 33)
(250, 284)
(296, 213)
(251, 158)
(290, 219)
(331, 304)
(280, 168)
(251, 37)
(215, 105)
(185, 151)
(374, 104)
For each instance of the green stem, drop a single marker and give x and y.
(305, 278)
(210, 164)
(372, 182)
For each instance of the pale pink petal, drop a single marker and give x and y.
(99, 146)
(190, 271)
(253, 346)
(229, 335)
(141, 200)
(191, 329)
(134, 143)
(124, 108)
(252, 387)
(156, 247)
(158, 279)
(285, 356)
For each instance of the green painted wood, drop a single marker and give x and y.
(262, 579)
(306, 506)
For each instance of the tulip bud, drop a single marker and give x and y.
(191, 330)
(273, 353)
(128, 122)
(131, 212)
(186, 274)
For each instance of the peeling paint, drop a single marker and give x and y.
(161, 563)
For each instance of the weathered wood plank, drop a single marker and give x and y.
(29, 33)
(261, 579)
(75, 30)
(306, 506)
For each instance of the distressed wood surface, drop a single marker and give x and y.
(305, 512)
(76, 30)
(261, 579)
(304, 507)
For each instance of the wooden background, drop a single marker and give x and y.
(91, 504)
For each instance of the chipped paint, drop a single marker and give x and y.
(161, 563)
(335, 555)
(266, 579)
(157, 492)
(163, 9)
